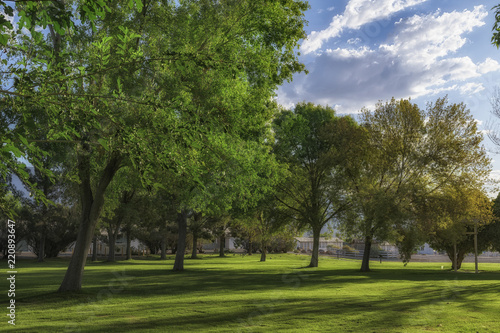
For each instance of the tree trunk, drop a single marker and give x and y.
(365, 265)
(264, 252)
(163, 244)
(458, 259)
(315, 251)
(181, 242)
(94, 248)
(41, 248)
(194, 254)
(129, 242)
(222, 241)
(111, 238)
(250, 246)
(91, 209)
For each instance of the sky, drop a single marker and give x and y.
(359, 52)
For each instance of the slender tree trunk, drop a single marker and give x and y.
(222, 243)
(455, 264)
(365, 265)
(250, 246)
(129, 242)
(315, 251)
(264, 252)
(111, 238)
(94, 248)
(41, 248)
(163, 245)
(181, 242)
(194, 254)
(91, 209)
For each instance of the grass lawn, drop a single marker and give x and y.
(241, 294)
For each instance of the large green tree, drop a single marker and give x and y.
(162, 83)
(309, 140)
(411, 153)
(456, 212)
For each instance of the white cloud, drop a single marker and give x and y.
(356, 14)
(353, 41)
(489, 65)
(417, 60)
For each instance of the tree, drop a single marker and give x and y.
(309, 141)
(161, 116)
(411, 153)
(262, 223)
(198, 228)
(495, 39)
(119, 195)
(458, 214)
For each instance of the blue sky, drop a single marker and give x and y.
(361, 51)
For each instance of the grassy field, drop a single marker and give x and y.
(241, 294)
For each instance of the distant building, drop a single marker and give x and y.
(306, 243)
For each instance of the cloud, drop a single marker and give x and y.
(356, 14)
(417, 60)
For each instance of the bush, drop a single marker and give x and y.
(348, 248)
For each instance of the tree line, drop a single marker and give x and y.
(159, 115)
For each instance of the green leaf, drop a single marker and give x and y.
(139, 5)
(104, 144)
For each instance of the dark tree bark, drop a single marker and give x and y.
(315, 251)
(129, 242)
(163, 244)
(91, 209)
(94, 248)
(250, 246)
(460, 257)
(222, 241)
(112, 241)
(365, 265)
(264, 253)
(41, 249)
(181, 242)
(194, 254)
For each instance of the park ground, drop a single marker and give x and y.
(240, 294)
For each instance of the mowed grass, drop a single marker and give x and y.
(241, 294)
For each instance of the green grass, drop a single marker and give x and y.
(241, 294)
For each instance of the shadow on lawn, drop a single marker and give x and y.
(359, 313)
(283, 307)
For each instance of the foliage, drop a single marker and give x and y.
(178, 86)
(309, 139)
(410, 154)
(455, 211)
(58, 233)
(495, 39)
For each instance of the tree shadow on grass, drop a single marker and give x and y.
(360, 313)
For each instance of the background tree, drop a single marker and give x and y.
(410, 154)
(307, 141)
(456, 212)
